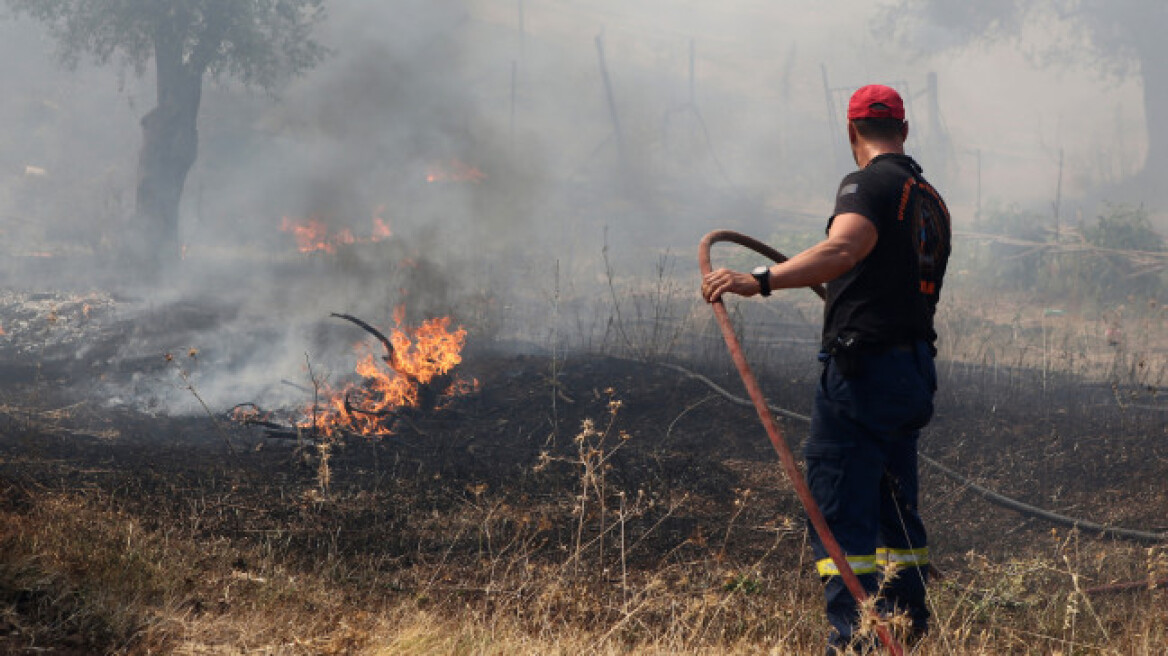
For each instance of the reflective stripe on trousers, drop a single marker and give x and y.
(880, 560)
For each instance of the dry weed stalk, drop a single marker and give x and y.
(593, 457)
(188, 384)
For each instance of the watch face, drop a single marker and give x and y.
(759, 270)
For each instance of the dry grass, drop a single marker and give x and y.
(1126, 344)
(85, 572)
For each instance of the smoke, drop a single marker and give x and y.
(485, 137)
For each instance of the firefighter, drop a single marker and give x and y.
(883, 262)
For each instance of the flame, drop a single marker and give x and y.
(454, 171)
(311, 236)
(245, 414)
(380, 229)
(419, 357)
(316, 236)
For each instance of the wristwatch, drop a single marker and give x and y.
(762, 274)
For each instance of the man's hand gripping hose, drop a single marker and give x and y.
(790, 468)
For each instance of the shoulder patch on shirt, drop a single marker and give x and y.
(849, 189)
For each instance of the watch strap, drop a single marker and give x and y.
(763, 275)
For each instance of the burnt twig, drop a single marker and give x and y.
(1132, 586)
(296, 386)
(352, 409)
(390, 357)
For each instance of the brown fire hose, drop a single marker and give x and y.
(790, 468)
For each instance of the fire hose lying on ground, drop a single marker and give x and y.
(791, 469)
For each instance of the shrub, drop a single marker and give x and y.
(1000, 265)
(1121, 275)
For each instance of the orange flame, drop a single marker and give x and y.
(454, 171)
(316, 236)
(432, 350)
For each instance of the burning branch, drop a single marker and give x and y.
(419, 377)
(389, 354)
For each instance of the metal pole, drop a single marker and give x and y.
(616, 126)
(514, 84)
(832, 121)
(692, 84)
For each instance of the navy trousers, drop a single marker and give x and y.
(861, 460)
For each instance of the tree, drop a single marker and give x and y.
(1122, 36)
(259, 42)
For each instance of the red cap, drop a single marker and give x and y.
(875, 101)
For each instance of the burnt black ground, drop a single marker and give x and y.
(1071, 448)
(697, 472)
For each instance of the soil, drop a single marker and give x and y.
(695, 471)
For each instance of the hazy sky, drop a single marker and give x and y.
(759, 86)
(992, 98)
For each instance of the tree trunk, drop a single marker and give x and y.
(1155, 74)
(170, 141)
(1154, 71)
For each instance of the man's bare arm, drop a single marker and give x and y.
(851, 238)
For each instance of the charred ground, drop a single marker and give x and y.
(583, 491)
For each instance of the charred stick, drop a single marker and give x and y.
(285, 381)
(248, 404)
(429, 393)
(254, 418)
(390, 356)
(270, 425)
(1132, 586)
(352, 409)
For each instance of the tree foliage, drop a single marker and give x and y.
(256, 41)
(1111, 32)
(1117, 37)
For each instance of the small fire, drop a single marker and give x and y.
(316, 236)
(454, 171)
(419, 360)
(380, 227)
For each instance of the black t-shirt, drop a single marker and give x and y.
(891, 295)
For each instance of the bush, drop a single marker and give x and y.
(1003, 266)
(1024, 256)
(1121, 275)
